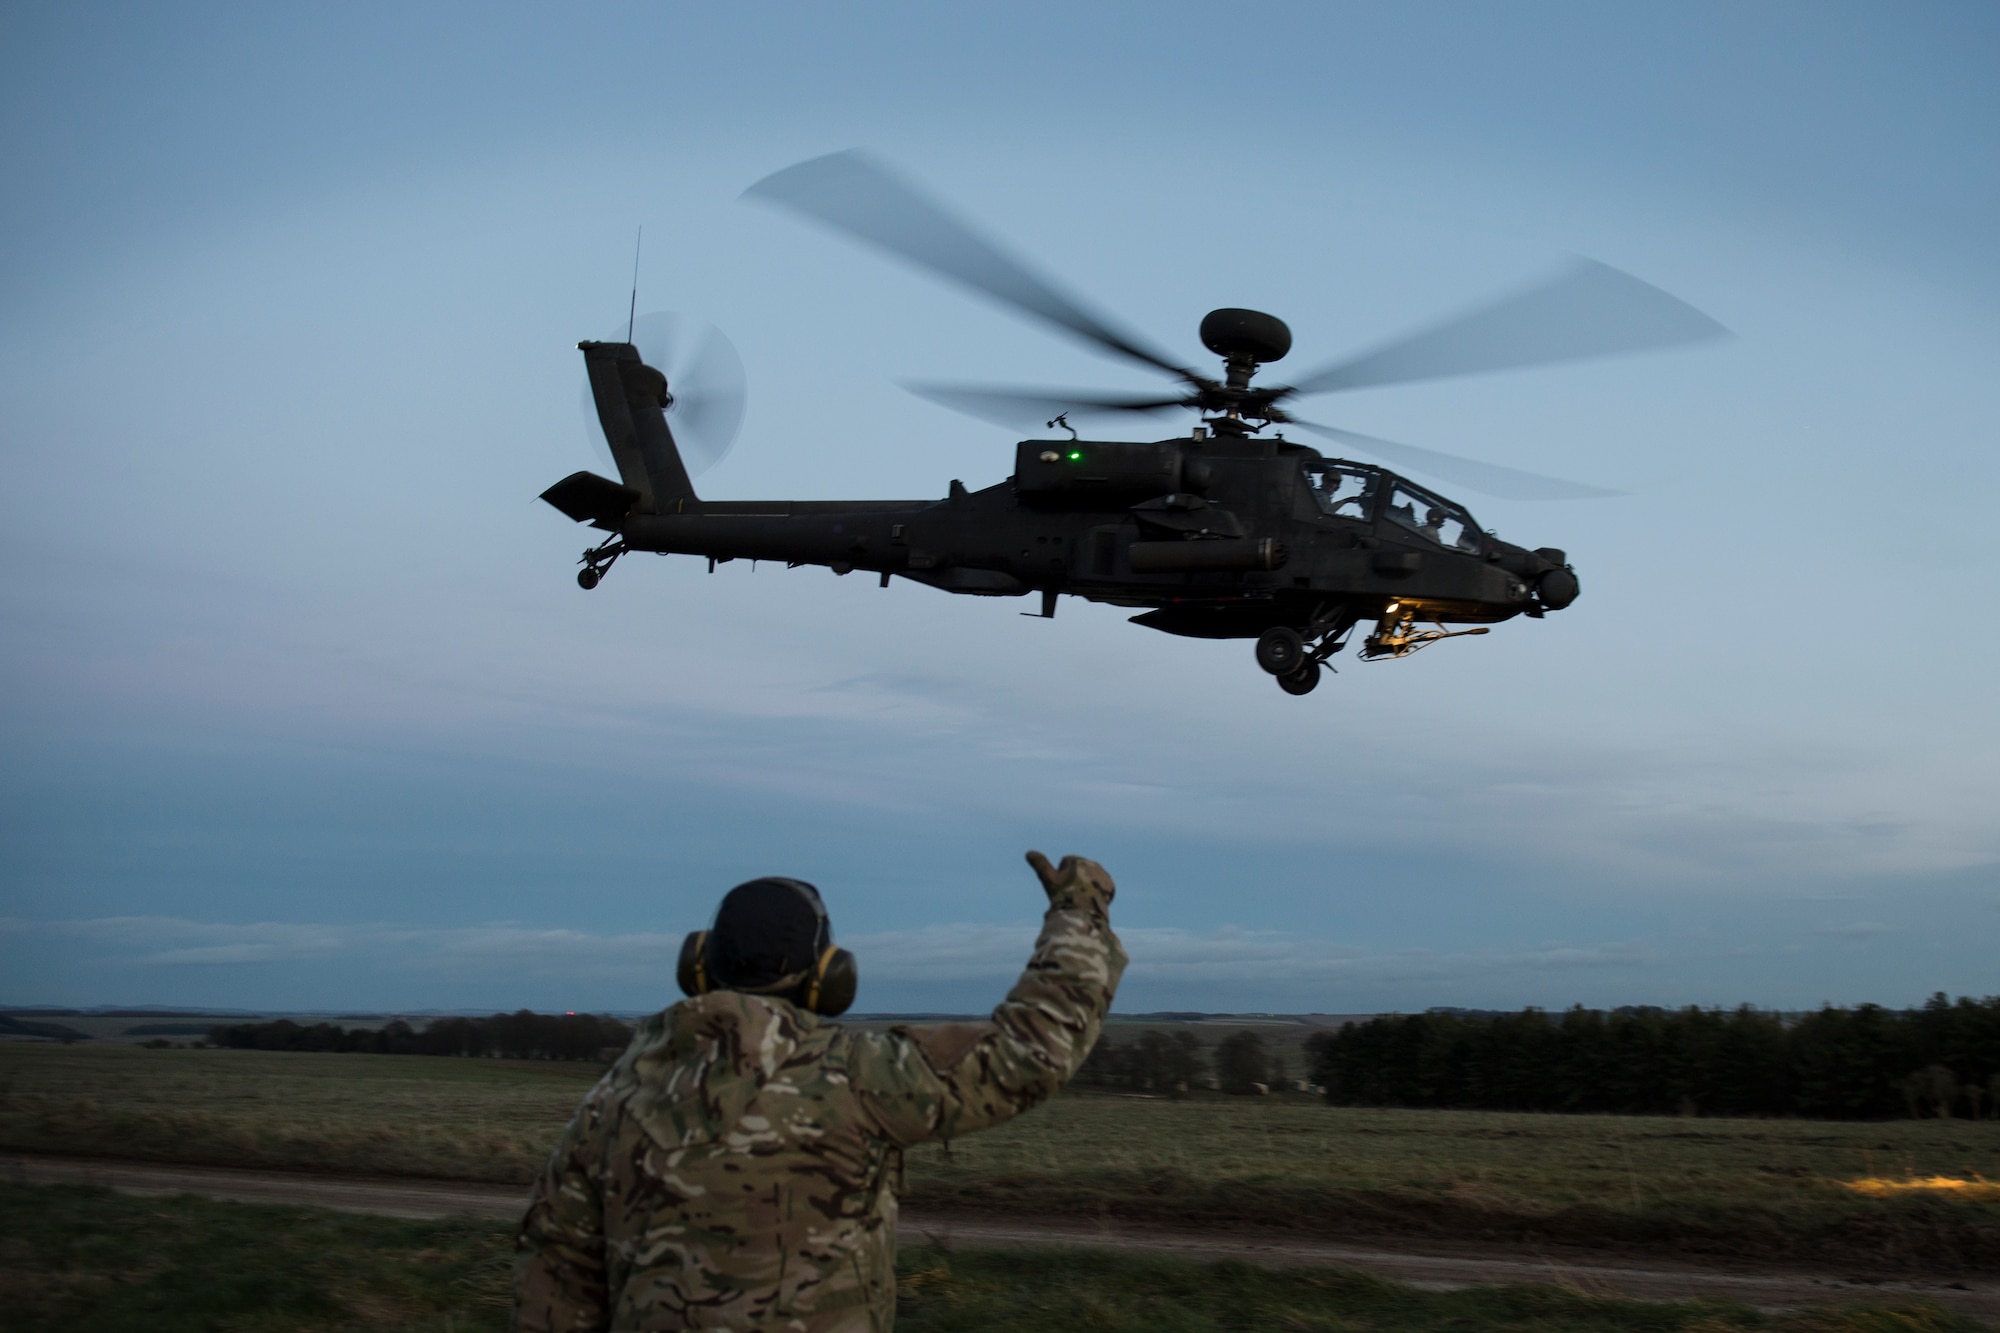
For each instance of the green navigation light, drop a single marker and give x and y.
(1076, 455)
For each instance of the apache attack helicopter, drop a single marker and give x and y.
(1229, 531)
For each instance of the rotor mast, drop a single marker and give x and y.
(1245, 340)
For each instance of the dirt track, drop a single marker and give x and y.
(1435, 1266)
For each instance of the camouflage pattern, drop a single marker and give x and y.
(738, 1167)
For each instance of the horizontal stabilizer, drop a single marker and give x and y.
(589, 498)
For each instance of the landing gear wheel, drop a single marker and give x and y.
(1281, 651)
(1302, 681)
(598, 560)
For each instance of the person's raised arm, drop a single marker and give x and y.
(941, 1081)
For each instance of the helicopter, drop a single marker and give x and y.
(1229, 531)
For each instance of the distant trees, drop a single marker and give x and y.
(1865, 1062)
(1167, 1064)
(522, 1035)
(1242, 1065)
(1170, 1064)
(1859, 1063)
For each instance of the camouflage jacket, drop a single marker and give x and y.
(737, 1168)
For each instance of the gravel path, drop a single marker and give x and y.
(1434, 1265)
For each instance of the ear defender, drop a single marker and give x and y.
(693, 970)
(830, 988)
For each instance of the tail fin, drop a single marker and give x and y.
(631, 400)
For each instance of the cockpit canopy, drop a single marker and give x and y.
(1349, 490)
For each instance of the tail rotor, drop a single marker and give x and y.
(705, 380)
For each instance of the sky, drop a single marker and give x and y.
(303, 708)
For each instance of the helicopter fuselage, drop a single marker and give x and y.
(1212, 535)
(1218, 537)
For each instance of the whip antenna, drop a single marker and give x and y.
(632, 311)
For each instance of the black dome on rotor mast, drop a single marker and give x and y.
(1247, 335)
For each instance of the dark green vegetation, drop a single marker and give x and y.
(1082, 1289)
(75, 1258)
(1741, 1187)
(34, 1027)
(1173, 1062)
(522, 1035)
(399, 1115)
(1862, 1063)
(82, 1258)
(1735, 1188)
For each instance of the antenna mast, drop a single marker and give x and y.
(632, 311)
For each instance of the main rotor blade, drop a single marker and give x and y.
(853, 193)
(1587, 311)
(1488, 478)
(1033, 407)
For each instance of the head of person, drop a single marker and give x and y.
(771, 937)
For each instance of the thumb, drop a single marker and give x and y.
(1043, 870)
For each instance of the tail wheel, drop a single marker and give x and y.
(1282, 652)
(1302, 681)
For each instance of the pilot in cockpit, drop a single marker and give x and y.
(1341, 493)
(1433, 524)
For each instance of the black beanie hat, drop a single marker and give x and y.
(767, 930)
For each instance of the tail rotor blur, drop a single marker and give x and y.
(705, 379)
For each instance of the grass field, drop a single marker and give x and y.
(73, 1259)
(1769, 1189)
(401, 1114)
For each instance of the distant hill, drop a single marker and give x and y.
(29, 1027)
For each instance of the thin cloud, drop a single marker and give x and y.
(948, 953)
(1167, 956)
(1858, 930)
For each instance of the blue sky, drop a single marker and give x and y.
(302, 707)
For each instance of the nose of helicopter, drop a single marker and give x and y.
(1557, 586)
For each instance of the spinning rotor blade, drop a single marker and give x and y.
(709, 397)
(1591, 310)
(1488, 478)
(1033, 407)
(852, 193)
(704, 376)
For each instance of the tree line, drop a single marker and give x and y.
(1172, 1065)
(1865, 1062)
(522, 1035)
